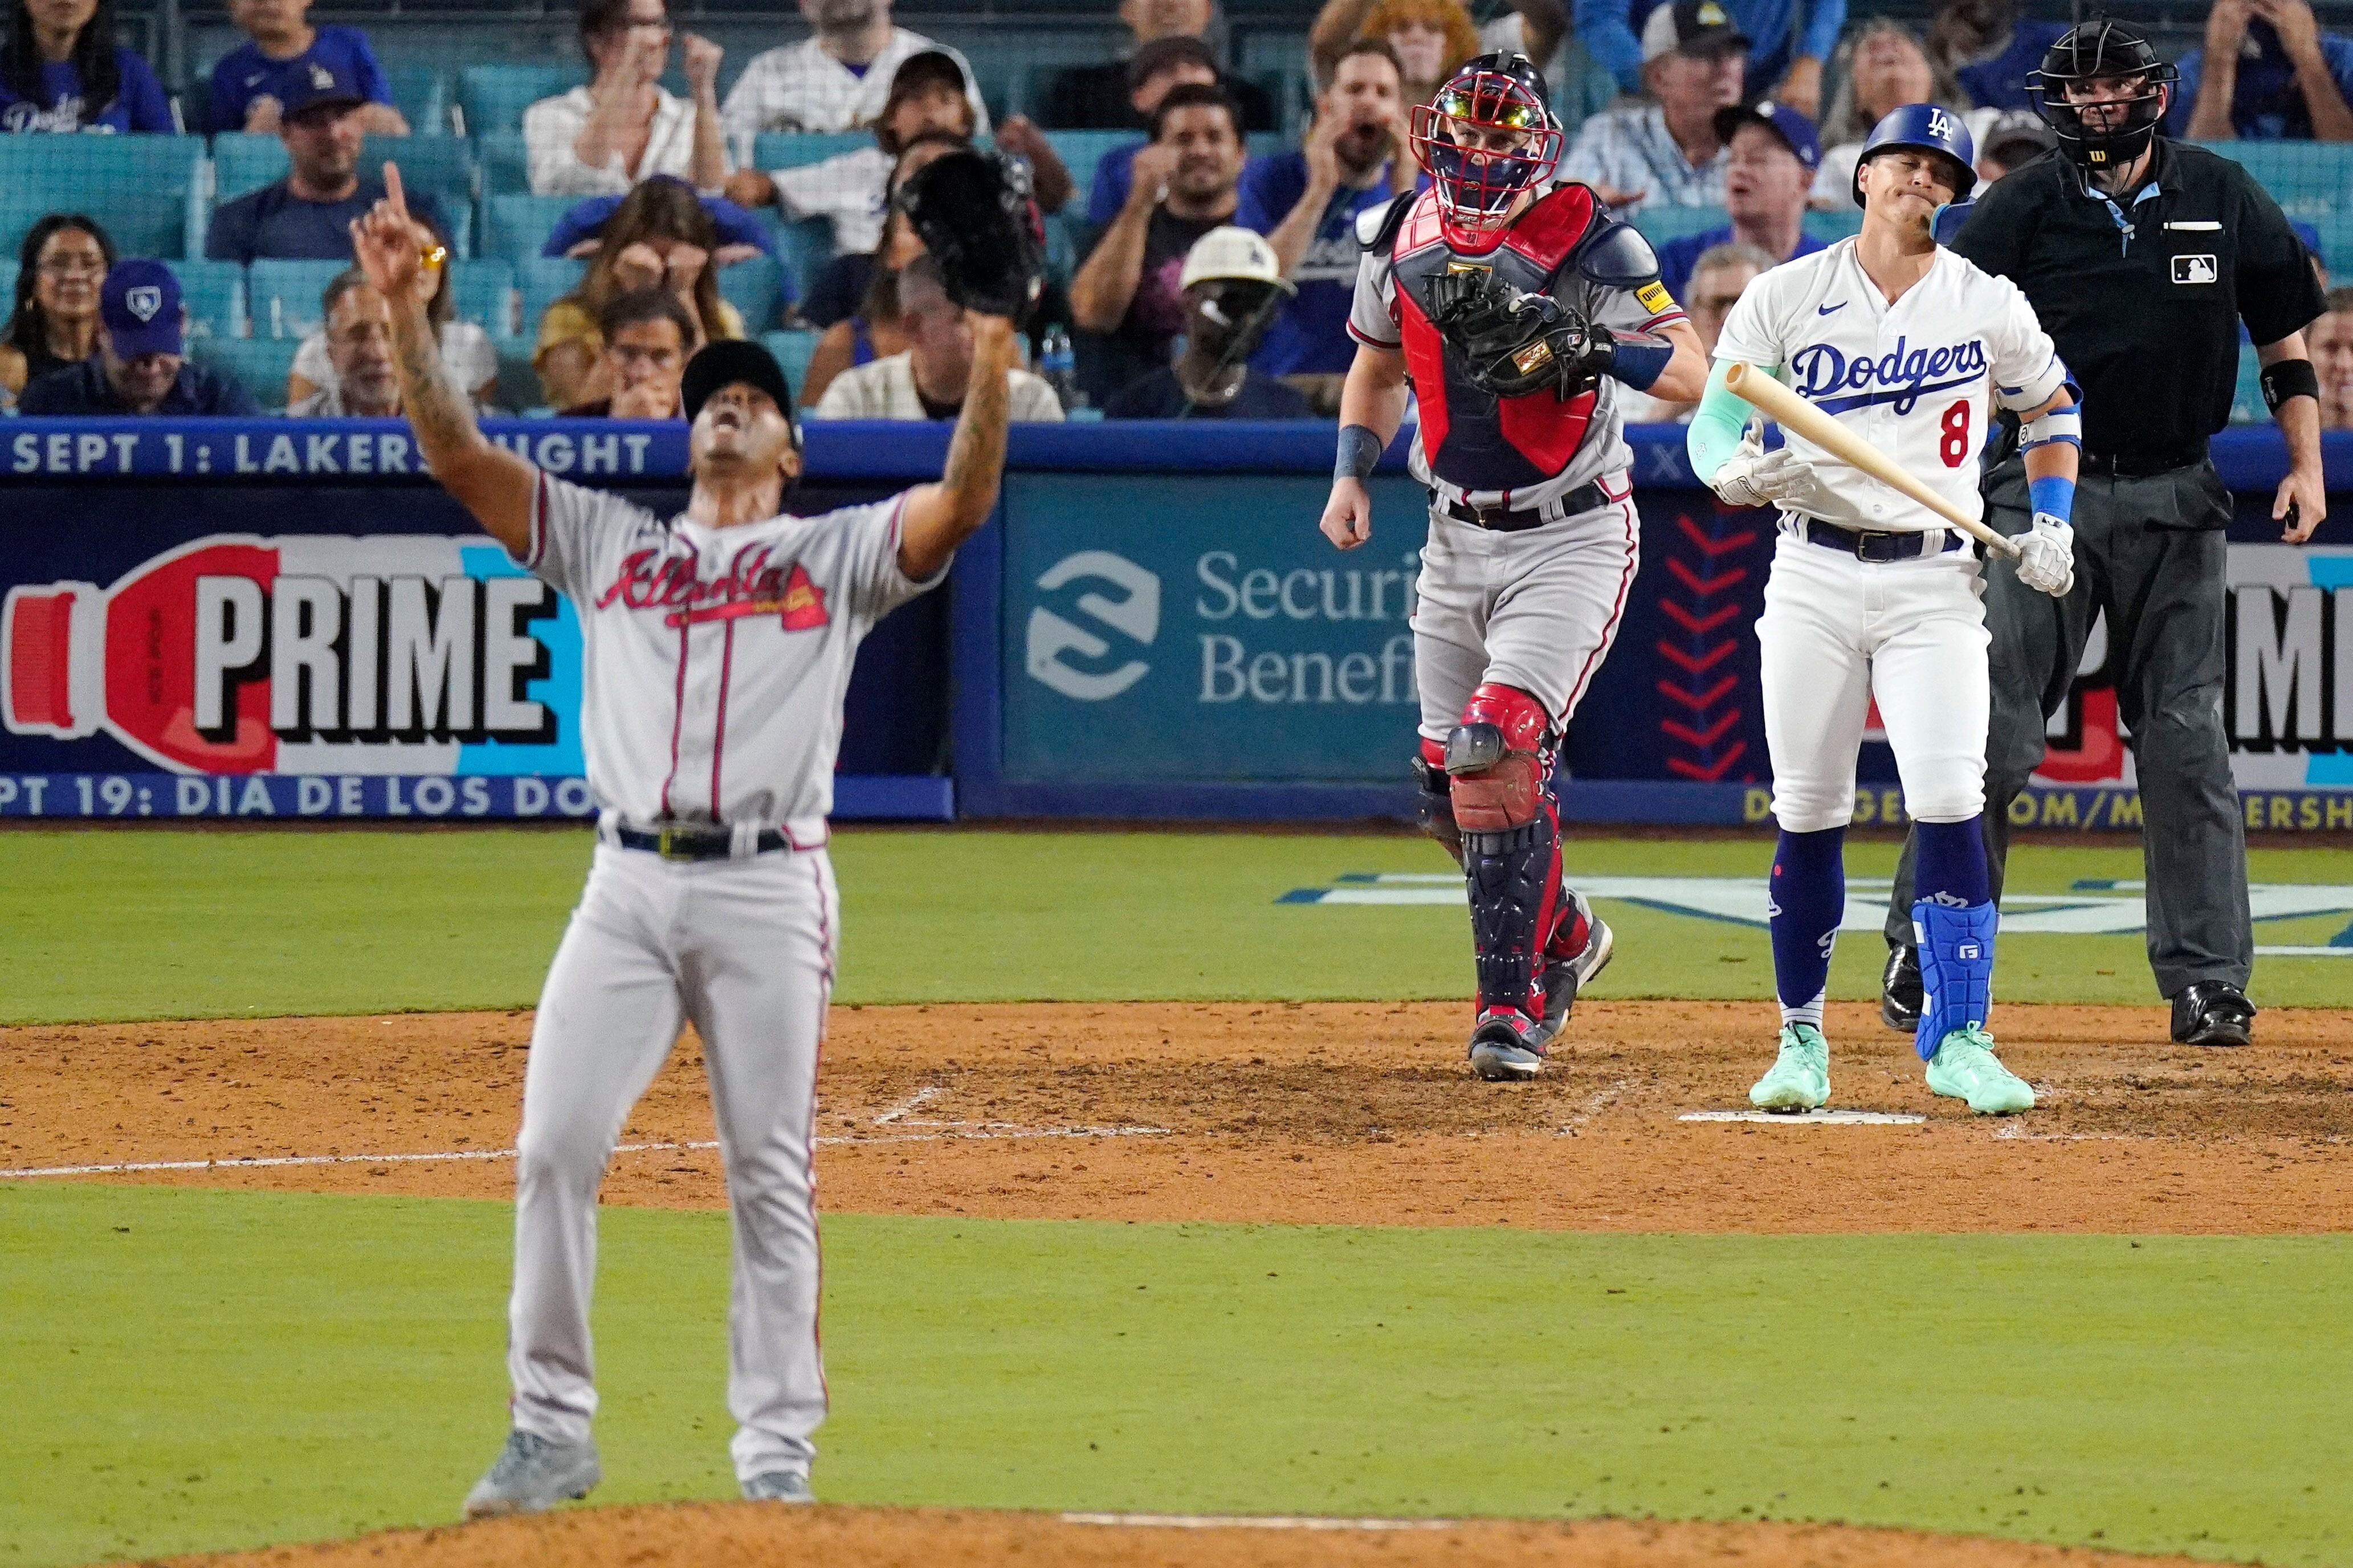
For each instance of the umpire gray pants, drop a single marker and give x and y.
(2151, 552)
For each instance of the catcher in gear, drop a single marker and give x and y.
(975, 214)
(1515, 307)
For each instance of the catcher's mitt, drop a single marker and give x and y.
(1513, 344)
(973, 213)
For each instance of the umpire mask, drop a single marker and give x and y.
(2102, 90)
(1224, 319)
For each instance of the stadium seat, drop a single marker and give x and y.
(2247, 401)
(1081, 151)
(284, 296)
(1835, 225)
(214, 293)
(1663, 224)
(2310, 179)
(244, 162)
(754, 286)
(792, 350)
(141, 188)
(483, 292)
(422, 95)
(7, 283)
(442, 166)
(793, 149)
(505, 163)
(493, 97)
(541, 281)
(516, 227)
(260, 364)
(518, 382)
(804, 245)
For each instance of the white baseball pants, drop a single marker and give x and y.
(1837, 632)
(743, 949)
(1536, 610)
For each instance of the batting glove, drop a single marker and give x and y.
(1751, 476)
(2046, 556)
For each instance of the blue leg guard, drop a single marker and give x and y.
(1954, 920)
(1805, 901)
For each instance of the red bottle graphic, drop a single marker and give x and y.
(82, 659)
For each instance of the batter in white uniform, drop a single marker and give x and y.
(718, 645)
(1871, 596)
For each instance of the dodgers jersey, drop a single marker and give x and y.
(1916, 379)
(714, 661)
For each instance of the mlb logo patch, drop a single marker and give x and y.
(144, 301)
(2195, 270)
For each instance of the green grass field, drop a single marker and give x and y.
(188, 1368)
(221, 924)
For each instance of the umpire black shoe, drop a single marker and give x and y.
(1899, 990)
(2212, 1013)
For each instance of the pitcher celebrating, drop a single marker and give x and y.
(718, 645)
(1871, 595)
(1515, 307)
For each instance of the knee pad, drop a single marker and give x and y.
(1498, 761)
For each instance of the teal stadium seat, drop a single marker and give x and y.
(805, 245)
(492, 98)
(1665, 225)
(516, 227)
(421, 93)
(1081, 151)
(9, 283)
(754, 286)
(505, 163)
(792, 350)
(794, 149)
(541, 281)
(285, 296)
(2310, 179)
(214, 293)
(258, 364)
(1831, 227)
(483, 292)
(141, 188)
(2247, 401)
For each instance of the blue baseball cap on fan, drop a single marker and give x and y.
(323, 86)
(139, 305)
(1780, 119)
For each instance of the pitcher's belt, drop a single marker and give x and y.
(1499, 519)
(700, 841)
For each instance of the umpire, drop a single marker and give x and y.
(2141, 255)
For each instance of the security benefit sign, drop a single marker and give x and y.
(1203, 629)
(2287, 699)
(300, 675)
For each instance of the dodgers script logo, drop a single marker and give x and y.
(1053, 638)
(1902, 375)
(654, 580)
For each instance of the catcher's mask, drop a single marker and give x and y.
(2113, 130)
(1488, 135)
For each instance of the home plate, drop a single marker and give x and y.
(1810, 1118)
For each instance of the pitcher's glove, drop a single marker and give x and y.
(1516, 343)
(974, 214)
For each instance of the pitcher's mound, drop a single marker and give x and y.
(696, 1534)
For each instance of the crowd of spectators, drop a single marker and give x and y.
(1202, 281)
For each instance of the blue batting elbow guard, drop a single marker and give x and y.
(2053, 495)
(1955, 969)
(1946, 224)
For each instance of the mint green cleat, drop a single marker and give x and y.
(1964, 1068)
(1799, 1078)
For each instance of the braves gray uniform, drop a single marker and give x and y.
(715, 664)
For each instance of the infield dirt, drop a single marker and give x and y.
(1326, 1113)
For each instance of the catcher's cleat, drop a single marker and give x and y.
(2212, 1013)
(1507, 1045)
(1900, 995)
(1964, 1068)
(1579, 950)
(1799, 1078)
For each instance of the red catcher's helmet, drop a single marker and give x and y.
(1488, 135)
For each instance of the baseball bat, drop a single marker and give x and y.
(1791, 412)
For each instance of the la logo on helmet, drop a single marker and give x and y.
(144, 301)
(1939, 123)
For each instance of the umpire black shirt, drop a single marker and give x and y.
(2144, 294)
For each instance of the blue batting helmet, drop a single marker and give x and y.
(1923, 128)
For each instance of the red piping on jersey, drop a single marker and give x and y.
(677, 718)
(719, 730)
(808, 1130)
(1609, 625)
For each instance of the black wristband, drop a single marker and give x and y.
(1360, 452)
(2289, 378)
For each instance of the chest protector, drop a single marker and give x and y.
(1471, 438)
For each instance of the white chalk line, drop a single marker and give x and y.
(1251, 1521)
(255, 1162)
(1593, 1106)
(1810, 1117)
(923, 1096)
